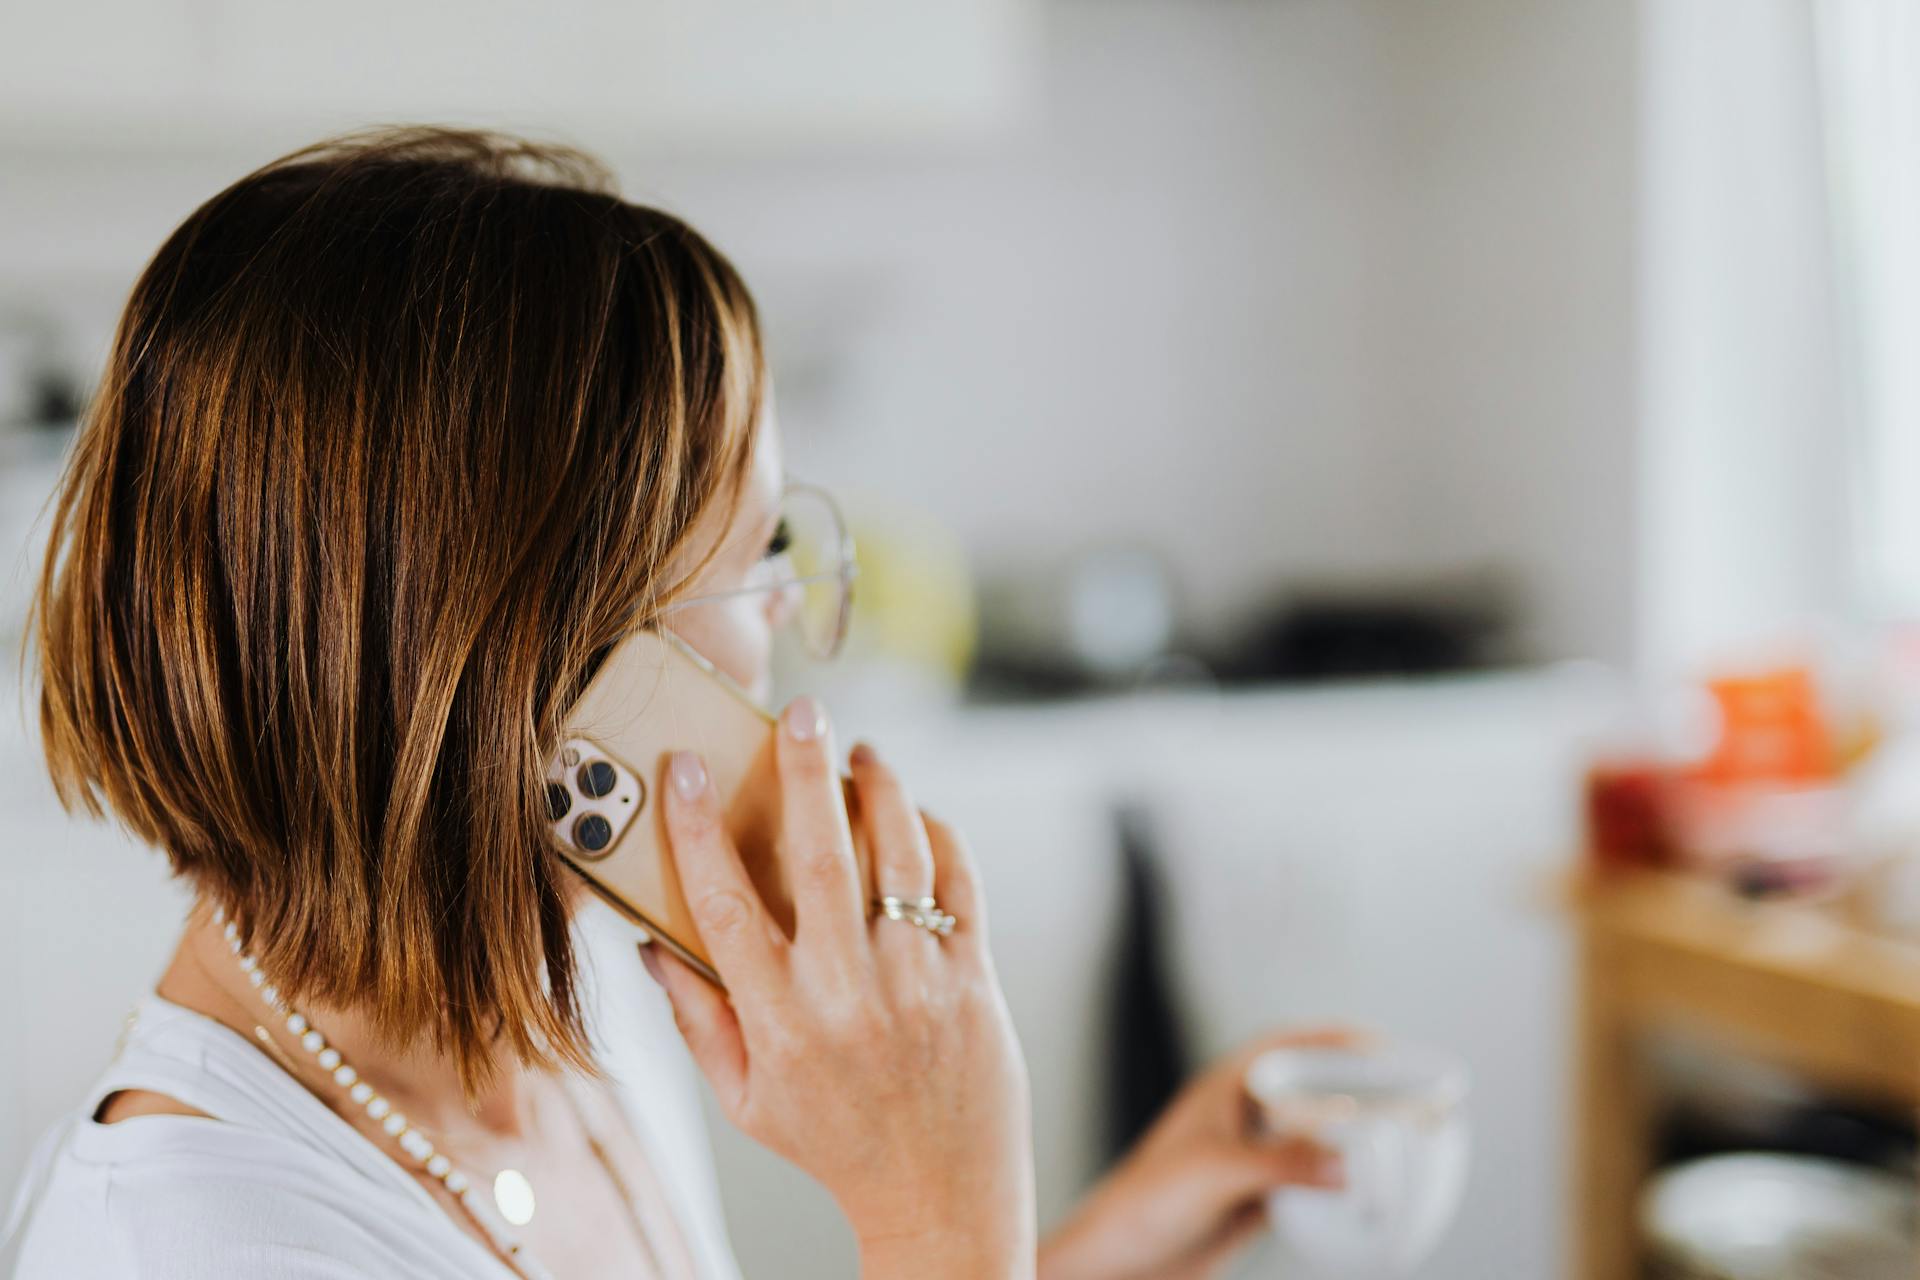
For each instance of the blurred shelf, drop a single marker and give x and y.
(1798, 986)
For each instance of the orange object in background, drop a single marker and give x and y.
(1772, 730)
(1767, 807)
(1764, 801)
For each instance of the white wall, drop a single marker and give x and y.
(1513, 295)
(1302, 289)
(1292, 290)
(160, 71)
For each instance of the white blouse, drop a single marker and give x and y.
(278, 1187)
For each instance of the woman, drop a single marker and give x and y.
(399, 435)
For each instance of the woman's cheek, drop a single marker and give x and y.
(757, 676)
(734, 637)
(748, 651)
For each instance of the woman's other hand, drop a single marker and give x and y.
(1192, 1193)
(876, 1056)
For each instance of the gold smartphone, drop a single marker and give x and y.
(655, 695)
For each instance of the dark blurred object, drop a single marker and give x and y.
(1146, 1044)
(1101, 621)
(54, 400)
(36, 389)
(1758, 878)
(1002, 677)
(1006, 677)
(1863, 1133)
(1411, 629)
(1715, 1100)
(1626, 814)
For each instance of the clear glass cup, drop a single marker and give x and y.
(1396, 1113)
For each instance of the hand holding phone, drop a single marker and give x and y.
(874, 1053)
(654, 695)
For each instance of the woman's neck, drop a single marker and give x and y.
(205, 976)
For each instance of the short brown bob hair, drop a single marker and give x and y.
(398, 435)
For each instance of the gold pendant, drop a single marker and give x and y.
(513, 1194)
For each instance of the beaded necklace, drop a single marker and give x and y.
(513, 1195)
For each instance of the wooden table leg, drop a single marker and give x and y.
(1613, 1125)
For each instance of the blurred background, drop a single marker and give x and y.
(1367, 509)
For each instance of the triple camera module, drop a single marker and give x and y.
(591, 798)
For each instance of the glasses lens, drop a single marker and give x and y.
(814, 562)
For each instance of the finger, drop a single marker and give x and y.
(1227, 1174)
(956, 879)
(743, 940)
(1299, 1162)
(706, 1022)
(1212, 1184)
(902, 854)
(816, 843)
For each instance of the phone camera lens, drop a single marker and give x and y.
(592, 832)
(558, 801)
(597, 778)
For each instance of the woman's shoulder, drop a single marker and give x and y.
(258, 1184)
(171, 1197)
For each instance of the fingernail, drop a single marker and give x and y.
(805, 719)
(689, 775)
(862, 754)
(1329, 1170)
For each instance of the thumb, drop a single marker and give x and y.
(1207, 1197)
(706, 1022)
(1233, 1173)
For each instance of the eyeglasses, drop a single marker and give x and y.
(811, 556)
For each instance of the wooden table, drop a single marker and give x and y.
(1796, 986)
